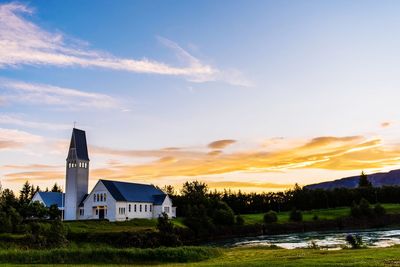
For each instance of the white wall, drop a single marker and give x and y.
(89, 203)
(146, 213)
(36, 197)
(159, 209)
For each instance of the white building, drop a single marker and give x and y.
(115, 201)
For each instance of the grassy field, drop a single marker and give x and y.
(260, 256)
(325, 214)
(105, 226)
(149, 225)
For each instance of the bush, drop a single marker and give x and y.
(365, 207)
(354, 241)
(379, 210)
(239, 220)
(224, 217)
(45, 235)
(315, 217)
(270, 217)
(295, 216)
(355, 210)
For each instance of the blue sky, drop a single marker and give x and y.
(296, 91)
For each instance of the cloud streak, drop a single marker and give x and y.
(16, 120)
(180, 164)
(35, 93)
(24, 43)
(11, 139)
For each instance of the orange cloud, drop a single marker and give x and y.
(386, 124)
(329, 153)
(220, 144)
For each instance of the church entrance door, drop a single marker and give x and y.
(101, 214)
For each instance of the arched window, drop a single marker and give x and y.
(145, 208)
(129, 207)
(140, 208)
(134, 208)
(101, 197)
(97, 196)
(150, 207)
(105, 198)
(94, 197)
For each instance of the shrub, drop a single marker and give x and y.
(355, 210)
(379, 210)
(224, 217)
(365, 207)
(270, 217)
(239, 220)
(164, 224)
(166, 229)
(57, 235)
(295, 216)
(315, 217)
(354, 241)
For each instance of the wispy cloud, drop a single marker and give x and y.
(220, 144)
(35, 93)
(18, 121)
(11, 139)
(179, 164)
(22, 42)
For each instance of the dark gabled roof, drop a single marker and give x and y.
(51, 198)
(78, 143)
(83, 200)
(159, 199)
(133, 192)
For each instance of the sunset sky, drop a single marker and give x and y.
(250, 95)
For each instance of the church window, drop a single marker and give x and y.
(129, 208)
(140, 208)
(121, 210)
(166, 209)
(145, 208)
(94, 197)
(81, 212)
(101, 197)
(134, 208)
(105, 198)
(98, 198)
(150, 207)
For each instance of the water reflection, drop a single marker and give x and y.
(324, 240)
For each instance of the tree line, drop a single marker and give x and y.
(296, 198)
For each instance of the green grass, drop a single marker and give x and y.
(260, 256)
(125, 226)
(107, 255)
(325, 214)
(106, 226)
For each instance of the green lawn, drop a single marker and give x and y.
(325, 214)
(303, 257)
(126, 226)
(260, 256)
(149, 225)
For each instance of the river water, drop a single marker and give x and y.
(324, 240)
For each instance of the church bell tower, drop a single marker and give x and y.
(77, 174)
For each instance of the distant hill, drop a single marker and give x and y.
(377, 180)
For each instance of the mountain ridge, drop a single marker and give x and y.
(391, 178)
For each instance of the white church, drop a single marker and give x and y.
(115, 201)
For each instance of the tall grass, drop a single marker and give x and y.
(108, 255)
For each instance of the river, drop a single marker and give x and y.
(324, 240)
